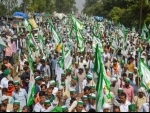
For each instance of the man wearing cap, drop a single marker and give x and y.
(88, 81)
(81, 77)
(114, 86)
(50, 96)
(128, 89)
(38, 81)
(75, 68)
(63, 79)
(46, 80)
(140, 99)
(79, 107)
(72, 97)
(5, 100)
(4, 81)
(74, 84)
(64, 109)
(68, 76)
(45, 69)
(81, 63)
(132, 108)
(53, 64)
(47, 104)
(19, 94)
(106, 107)
(92, 101)
(16, 106)
(85, 103)
(117, 100)
(53, 86)
(58, 72)
(39, 107)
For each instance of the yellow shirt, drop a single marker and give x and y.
(139, 102)
(130, 67)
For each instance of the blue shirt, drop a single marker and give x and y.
(21, 97)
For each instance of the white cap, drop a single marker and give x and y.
(141, 89)
(81, 67)
(60, 87)
(4, 97)
(113, 79)
(142, 56)
(106, 106)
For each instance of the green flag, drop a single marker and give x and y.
(80, 41)
(55, 36)
(27, 25)
(99, 86)
(145, 77)
(31, 93)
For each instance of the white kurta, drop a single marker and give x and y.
(58, 72)
(4, 82)
(124, 107)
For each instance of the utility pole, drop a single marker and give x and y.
(24, 6)
(141, 10)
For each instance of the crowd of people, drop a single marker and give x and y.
(72, 89)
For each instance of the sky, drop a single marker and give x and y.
(79, 4)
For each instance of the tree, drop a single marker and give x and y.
(50, 6)
(37, 6)
(2, 9)
(116, 13)
(128, 12)
(65, 6)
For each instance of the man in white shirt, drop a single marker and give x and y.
(124, 103)
(4, 81)
(39, 106)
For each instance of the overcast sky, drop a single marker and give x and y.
(79, 4)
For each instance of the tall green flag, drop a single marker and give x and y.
(145, 77)
(100, 73)
(55, 36)
(80, 41)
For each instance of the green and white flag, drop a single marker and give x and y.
(144, 28)
(96, 41)
(145, 77)
(41, 43)
(27, 25)
(31, 93)
(31, 42)
(61, 59)
(55, 36)
(68, 60)
(80, 41)
(77, 23)
(98, 68)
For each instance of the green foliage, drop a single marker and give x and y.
(116, 13)
(126, 12)
(40, 6)
(2, 9)
(65, 6)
